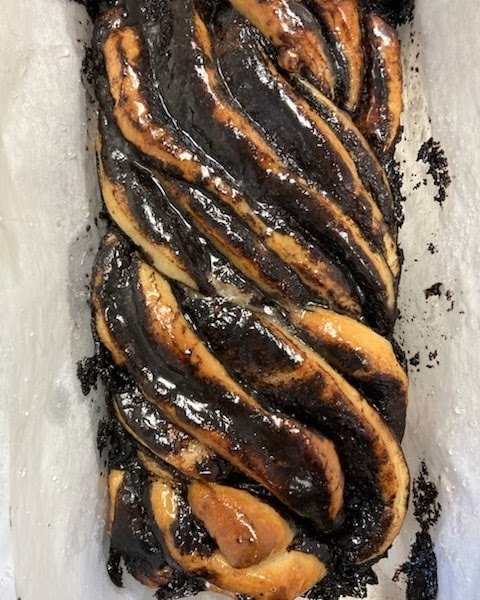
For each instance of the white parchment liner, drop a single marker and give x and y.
(52, 503)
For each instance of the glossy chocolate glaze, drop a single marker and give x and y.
(244, 343)
(241, 242)
(383, 392)
(272, 104)
(266, 446)
(181, 69)
(339, 60)
(158, 218)
(147, 424)
(369, 168)
(134, 535)
(231, 227)
(378, 81)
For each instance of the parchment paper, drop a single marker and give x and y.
(52, 503)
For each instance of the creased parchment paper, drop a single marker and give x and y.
(52, 502)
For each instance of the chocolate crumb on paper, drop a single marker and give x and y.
(87, 373)
(415, 360)
(434, 157)
(344, 581)
(434, 290)
(420, 570)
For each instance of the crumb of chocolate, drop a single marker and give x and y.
(415, 360)
(87, 373)
(434, 157)
(344, 580)
(432, 248)
(420, 570)
(449, 297)
(434, 290)
(425, 495)
(395, 177)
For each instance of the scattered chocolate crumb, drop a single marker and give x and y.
(425, 493)
(395, 177)
(345, 580)
(420, 570)
(434, 157)
(87, 373)
(449, 297)
(434, 290)
(432, 248)
(415, 360)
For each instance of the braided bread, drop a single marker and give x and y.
(246, 290)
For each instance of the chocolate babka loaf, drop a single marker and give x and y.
(245, 291)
